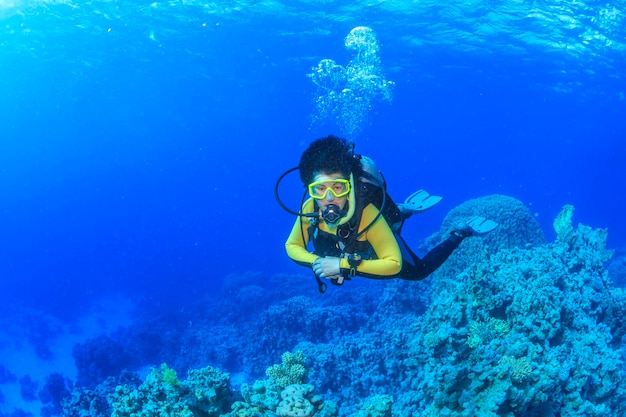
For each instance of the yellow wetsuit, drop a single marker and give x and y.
(387, 261)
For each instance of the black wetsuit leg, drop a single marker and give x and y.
(415, 268)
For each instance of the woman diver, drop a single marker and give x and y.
(354, 225)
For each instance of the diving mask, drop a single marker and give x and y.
(337, 187)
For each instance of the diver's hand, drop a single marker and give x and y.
(328, 267)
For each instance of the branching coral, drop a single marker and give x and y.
(520, 367)
(290, 371)
(484, 332)
(284, 394)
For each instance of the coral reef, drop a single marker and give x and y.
(290, 372)
(99, 358)
(617, 268)
(294, 402)
(261, 395)
(284, 394)
(509, 326)
(205, 392)
(484, 332)
(517, 228)
(297, 400)
(300, 318)
(95, 403)
(376, 406)
(527, 332)
(563, 223)
(85, 402)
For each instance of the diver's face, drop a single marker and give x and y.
(326, 190)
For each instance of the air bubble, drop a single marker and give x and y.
(346, 95)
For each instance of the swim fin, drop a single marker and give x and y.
(418, 202)
(479, 226)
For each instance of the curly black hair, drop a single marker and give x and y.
(330, 154)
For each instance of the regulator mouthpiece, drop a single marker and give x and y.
(332, 214)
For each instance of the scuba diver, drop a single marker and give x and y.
(354, 225)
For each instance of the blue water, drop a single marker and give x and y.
(140, 143)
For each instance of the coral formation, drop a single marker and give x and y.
(300, 318)
(296, 401)
(55, 390)
(563, 223)
(285, 393)
(513, 326)
(261, 395)
(376, 406)
(99, 358)
(557, 350)
(291, 371)
(520, 367)
(294, 404)
(484, 332)
(617, 268)
(205, 392)
(517, 228)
